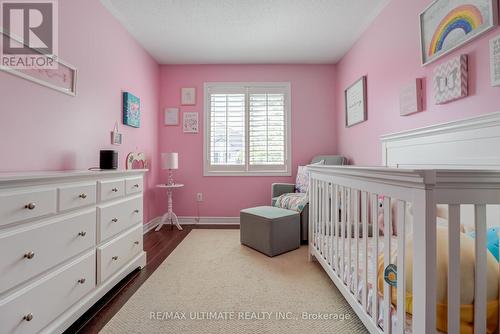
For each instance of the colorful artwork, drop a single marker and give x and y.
(131, 110)
(137, 160)
(445, 25)
(451, 80)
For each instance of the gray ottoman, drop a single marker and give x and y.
(270, 230)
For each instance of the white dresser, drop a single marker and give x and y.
(66, 238)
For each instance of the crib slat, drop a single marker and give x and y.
(332, 220)
(387, 260)
(480, 270)
(312, 210)
(364, 219)
(335, 228)
(321, 218)
(342, 232)
(348, 236)
(374, 264)
(454, 269)
(327, 222)
(401, 272)
(356, 242)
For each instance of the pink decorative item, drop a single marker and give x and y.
(411, 98)
(451, 80)
(137, 160)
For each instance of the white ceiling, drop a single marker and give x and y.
(246, 31)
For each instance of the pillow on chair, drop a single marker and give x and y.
(302, 180)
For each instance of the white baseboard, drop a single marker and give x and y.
(195, 221)
(209, 221)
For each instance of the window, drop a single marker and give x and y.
(247, 129)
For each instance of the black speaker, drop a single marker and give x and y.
(108, 159)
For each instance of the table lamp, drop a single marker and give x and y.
(170, 161)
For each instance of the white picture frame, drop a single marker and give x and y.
(63, 79)
(171, 116)
(190, 122)
(437, 20)
(188, 96)
(495, 61)
(355, 103)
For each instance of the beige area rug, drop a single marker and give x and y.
(212, 284)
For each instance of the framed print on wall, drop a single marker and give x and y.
(495, 61)
(131, 110)
(190, 122)
(188, 96)
(171, 116)
(446, 25)
(355, 103)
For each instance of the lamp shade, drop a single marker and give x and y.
(170, 160)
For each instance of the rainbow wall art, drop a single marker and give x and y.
(466, 18)
(447, 24)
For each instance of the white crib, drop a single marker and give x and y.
(340, 196)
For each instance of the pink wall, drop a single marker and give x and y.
(42, 129)
(389, 54)
(312, 132)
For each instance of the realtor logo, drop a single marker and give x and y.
(29, 34)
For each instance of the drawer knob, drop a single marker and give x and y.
(114, 258)
(83, 196)
(136, 242)
(114, 220)
(136, 211)
(82, 233)
(30, 206)
(29, 255)
(28, 317)
(114, 190)
(136, 186)
(81, 280)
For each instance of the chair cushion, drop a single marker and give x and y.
(292, 201)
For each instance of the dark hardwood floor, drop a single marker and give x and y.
(158, 246)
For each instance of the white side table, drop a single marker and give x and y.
(169, 216)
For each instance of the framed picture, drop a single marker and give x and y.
(446, 25)
(190, 122)
(355, 102)
(411, 98)
(495, 61)
(188, 96)
(63, 78)
(131, 110)
(171, 116)
(451, 80)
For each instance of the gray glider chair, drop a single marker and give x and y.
(298, 193)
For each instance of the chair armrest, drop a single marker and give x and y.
(279, 189)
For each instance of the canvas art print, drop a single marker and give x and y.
(447, 24)
(131, 110)
(451, 80)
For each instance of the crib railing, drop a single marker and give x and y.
(345, 205)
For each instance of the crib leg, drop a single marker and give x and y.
(310, 256)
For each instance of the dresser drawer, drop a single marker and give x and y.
(117, 252)
(76, 196)
(29, 251)
(134, 185)
(111, 189)
(26, 204)
(47, 298)
(118, 216)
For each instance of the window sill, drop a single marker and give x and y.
(252, 173)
